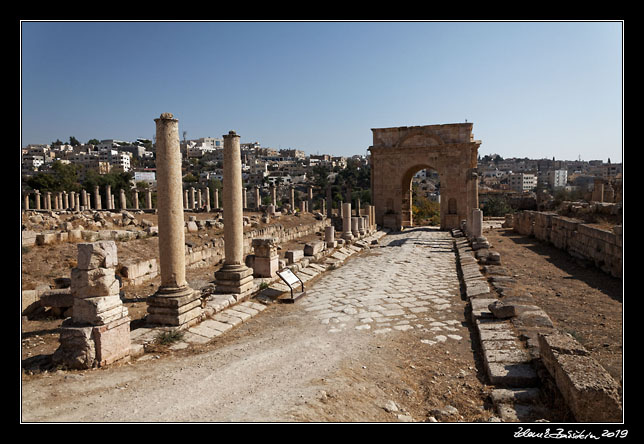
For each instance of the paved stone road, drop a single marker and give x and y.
(410, 282)
(273, 367)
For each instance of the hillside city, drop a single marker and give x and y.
(508, 178)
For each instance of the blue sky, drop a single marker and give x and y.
(532, 89)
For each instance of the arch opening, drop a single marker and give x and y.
(421, 197)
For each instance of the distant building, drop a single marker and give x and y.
(557, 178)
(521, 182)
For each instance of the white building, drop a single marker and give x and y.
(521, 182)
(557, 178)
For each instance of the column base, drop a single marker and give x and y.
(347, 236)
(174, 306)
(233, 279)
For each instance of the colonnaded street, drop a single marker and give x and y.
(383, 337)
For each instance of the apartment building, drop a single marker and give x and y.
(521, 182)
(557, 178)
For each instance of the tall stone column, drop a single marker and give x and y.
(216, 199)
(123, 200)
(258, 199)
(207, 190)
(477, 223)
(234, 276)
(148, 199)
(292, 198)
(244, 204)
(135, 194)
(108, 195)
(26, 201)
(97, 198)
(346, 222)
(175, 303)
(37, 199)
(192, 198)
(273, 195)
(84, 202)
(186, 205)
(48, 200)
(66, 200)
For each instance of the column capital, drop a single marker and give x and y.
(166, 117)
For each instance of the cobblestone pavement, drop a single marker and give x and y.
(410, 282)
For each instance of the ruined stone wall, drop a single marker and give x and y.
(601, 247)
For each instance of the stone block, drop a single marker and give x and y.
(293, 256)
(265, 247)
(77, 349)
(57, 298)
(501, 310)
(98, 310)
(112, 341)
(512, 375)
(94, 255)
(94, 283)
(265, 266)
(313, 248)
(590, 392)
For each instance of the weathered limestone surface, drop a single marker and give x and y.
(398, 153)
(174, 291)
(234, 276)
(98, 333)
(590, 392)
(583, 241)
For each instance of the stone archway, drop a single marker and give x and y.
(397, 153)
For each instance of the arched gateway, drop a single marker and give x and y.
(398, 153)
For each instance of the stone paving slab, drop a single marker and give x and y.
(385, 293)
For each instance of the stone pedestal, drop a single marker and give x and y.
(234, 276)
(266, 263)
(98, 333)
(175, 303)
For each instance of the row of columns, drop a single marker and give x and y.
(82, 200)
(193, 198)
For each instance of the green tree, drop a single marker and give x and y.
(93, 142)
(424, 211)
(190, 178)
(73, 141)
(496, 207)
(61, 177)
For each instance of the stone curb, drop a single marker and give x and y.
(507, 364)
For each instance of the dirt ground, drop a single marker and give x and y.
(580, 299)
